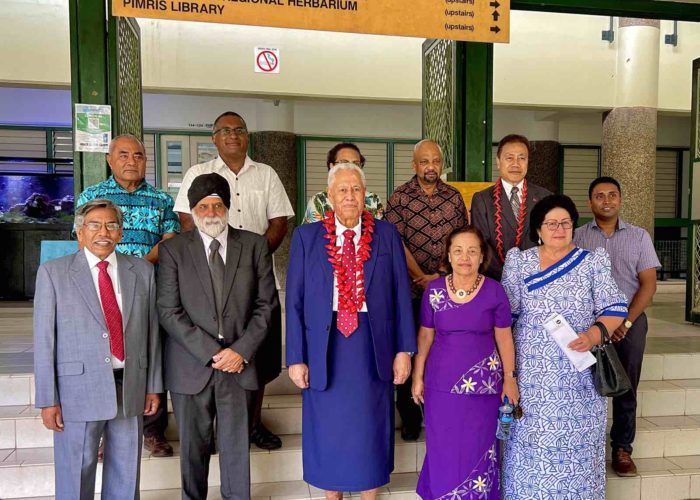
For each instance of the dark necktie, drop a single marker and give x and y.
(216, 270)
(515, 202)
(347, 321)
(110, 309)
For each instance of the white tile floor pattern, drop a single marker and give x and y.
(667, 449)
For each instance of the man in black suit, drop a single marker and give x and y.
(216, 293)
(502, 212)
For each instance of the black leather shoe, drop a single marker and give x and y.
(410, 433)
(264, 439)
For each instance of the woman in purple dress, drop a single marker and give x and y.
(463, 368)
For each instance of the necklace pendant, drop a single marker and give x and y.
(461, 294)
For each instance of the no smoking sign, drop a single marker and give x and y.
(266, 60)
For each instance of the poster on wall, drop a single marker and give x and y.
(93, 128)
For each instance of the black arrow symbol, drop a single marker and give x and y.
(495, 15)
(495, 29)
(495, 4)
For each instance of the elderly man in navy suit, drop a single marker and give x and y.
(97, 356)
(350, 334)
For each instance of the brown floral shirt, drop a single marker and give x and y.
(425, 221)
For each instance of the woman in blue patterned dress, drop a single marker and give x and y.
(557, 449)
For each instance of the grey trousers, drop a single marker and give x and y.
(224, 400)
(75, 456)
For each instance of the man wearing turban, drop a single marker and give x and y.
(216, 293)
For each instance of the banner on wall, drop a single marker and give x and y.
(93, 128)
(467, 20)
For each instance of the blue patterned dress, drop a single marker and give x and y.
(557, 450)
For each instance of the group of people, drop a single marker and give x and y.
(182, 297)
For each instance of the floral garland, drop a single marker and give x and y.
(347, 301)
(499, 222)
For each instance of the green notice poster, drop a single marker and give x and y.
(93, 128)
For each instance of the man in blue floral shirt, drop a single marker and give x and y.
(148, 220)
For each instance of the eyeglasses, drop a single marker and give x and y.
(358, 163)
(226, 131)
(553, 225)
(96, 226)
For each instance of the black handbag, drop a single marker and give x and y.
(609, 376)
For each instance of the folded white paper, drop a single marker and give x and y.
(563, 334)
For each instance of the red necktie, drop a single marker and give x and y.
(110, 308)
(347, 321)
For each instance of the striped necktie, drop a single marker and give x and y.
(514, 201)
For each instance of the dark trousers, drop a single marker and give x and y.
(155, 425)
(224, 400)
(409, 411)
(630, 350)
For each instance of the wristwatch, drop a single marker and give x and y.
(627, 323)
(513, 374)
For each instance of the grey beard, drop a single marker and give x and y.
(211, 226)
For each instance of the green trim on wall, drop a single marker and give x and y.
(478, 103)
(389, 166)
(89, 78)
(301, 179)
(645, 9)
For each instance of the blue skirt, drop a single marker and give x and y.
(348, 429)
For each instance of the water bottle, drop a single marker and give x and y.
(505, 418)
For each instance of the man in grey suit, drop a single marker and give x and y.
(502, 211)
(97, 356)
(216, 293)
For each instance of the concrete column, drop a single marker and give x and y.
(275, 145)
(629, 129)
(543, 168)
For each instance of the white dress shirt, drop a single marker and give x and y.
(508, 187)
(339, 229)
(222, 238)
(257, 194)
(112, 268)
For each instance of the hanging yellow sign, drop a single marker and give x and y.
(467, 20)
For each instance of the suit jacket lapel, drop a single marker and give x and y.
(372, 261)
(127, 283)
(199, 258)
(82, 277)
(320, 256)
(233, 255)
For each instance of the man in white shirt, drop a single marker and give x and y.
(502, 211)
(259, 204)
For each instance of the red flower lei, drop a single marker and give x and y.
(346, 301)
(499, 223)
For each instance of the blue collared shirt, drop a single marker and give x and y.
(630, 248)
(148, 214)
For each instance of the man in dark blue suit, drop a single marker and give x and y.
(350, 335)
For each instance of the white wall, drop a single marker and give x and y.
(553, 60)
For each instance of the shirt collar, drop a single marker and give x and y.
(248, 164)
(115, 185)
(508, 187)
(340, 229)
(414, 185)
(93, 259)
(621, 224)
(222, 238)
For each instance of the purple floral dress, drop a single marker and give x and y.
(463, 384)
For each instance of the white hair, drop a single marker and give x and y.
(346, 166)
(425, 141)
(131, 137)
